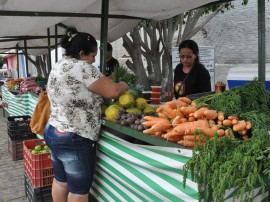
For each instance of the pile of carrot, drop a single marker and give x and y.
(12, 82)
(183, 122)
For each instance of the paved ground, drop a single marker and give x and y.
(11, 172)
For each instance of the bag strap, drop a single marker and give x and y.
(184, 80)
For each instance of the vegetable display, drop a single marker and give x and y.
(228, 132)
(220, 163)
(187, 124)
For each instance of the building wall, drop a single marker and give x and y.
(234, 34)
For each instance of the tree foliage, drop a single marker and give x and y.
(1, 60)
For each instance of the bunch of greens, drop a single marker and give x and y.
(121, 73)
(41, 78)
(250, 97)
(221, 163)
(1, 60)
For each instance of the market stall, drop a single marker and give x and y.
(19, 105)
(136, 184)
(127, 171)
(133, 172)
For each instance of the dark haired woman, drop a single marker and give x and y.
(190, 76)
(76, 90)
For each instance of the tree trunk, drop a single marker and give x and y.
(134, 49)
(40, 65)
(152, 57)
(159, 59)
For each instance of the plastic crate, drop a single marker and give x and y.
(42, 84)
(19, 129)
(18, 122)
(41, 194)
(39, 178)
(37, 166)
(36, 161)
(48, 172)
(15, 149)
(21, 135)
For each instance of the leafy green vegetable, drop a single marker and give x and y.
(221, 163)
(41, 78)
(136, 93)
(123, 74)
(252, 96)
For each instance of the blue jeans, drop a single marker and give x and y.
(73, 158)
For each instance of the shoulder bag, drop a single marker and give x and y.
(41, 114)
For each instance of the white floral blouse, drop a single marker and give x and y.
(73, 107)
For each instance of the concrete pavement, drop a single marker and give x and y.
(11, 172)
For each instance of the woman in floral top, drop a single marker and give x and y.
(76, 90)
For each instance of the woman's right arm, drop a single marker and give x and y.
(107, 88)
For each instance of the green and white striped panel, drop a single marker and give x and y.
(21, 104)
(131, 172)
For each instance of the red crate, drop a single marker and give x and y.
(36, 161)
(48, 172)
(15, 148)
(39, 178)
(37, 166)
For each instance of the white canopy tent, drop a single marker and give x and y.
(39, 18)
(34, 17)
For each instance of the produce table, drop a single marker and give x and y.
(19, 105)
(135, 172)
(128, 171)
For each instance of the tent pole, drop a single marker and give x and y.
(18, 66)
(49, 51)
(56, 47)
(104, 35)
(261, 40)
(26, 57)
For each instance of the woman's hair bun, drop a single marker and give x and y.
(74, 42)
(70, 34)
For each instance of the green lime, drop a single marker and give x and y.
(38, 147)
(41, 151)
(46, 148)
(34, 152)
